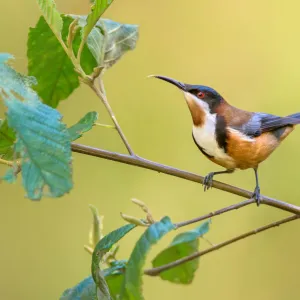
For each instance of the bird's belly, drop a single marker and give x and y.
(205, 138)
(250, 153)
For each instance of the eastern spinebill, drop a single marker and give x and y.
(231, 137)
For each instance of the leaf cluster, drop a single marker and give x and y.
(62, 50)
(122, 279)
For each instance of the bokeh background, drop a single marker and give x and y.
(249, 52)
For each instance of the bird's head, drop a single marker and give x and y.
(200, 99)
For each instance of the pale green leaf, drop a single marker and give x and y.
(97, 9)
(43, 142)
(51, 15)
(119, 38)
(50, 65)
(132, 285)
(109, 40)
(83, 125)
(183, 244)
(97, 227)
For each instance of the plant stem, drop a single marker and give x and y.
(158, 270)
(6, 162)
(101, 94)
(105, 126)
(147, 164)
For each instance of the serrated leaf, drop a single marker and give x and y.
(10, 80)
(43, 142)
(109, 40)
(83, 125)
(51, 66)
(97, 9)
(51, 15)
(132, 285)
(7, 140)
(182, 245)
(103, 246)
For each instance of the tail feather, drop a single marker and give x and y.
(294, 116)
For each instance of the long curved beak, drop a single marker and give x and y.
(179, 84)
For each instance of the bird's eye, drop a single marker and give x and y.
(200, 95)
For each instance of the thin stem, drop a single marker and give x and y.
(6, 162)
(158, 270)
(80, 49)
(215, 213)
(105, 126)
(147, 164)
(102, 96)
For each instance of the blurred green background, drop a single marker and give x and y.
(249, 52)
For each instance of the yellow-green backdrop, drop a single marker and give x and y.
(250, 52)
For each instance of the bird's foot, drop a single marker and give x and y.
(208, 181)
(256, 195)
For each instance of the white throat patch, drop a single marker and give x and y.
(189, 98)
(205, 135)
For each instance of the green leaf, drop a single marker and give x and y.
(97, 9)
(50, 64)
(83, 125)
(51, 15)
(182, 245)
(96, 230)
(7, 140)
(119, 38)
(117, 267)
(85, 290)
(43, 142)
(10, 80)
(109, 40)
(114, 283)
(132, 285)
(103, 246)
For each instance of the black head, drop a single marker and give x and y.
(201, 92)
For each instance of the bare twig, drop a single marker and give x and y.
(101, 94)
(158, 270)
(147, 164)
(215, 213)
(6, 162)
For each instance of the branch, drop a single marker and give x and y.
(147, 164)
(158, 270)
(215, 213)
(6, 162)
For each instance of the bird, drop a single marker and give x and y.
(231, 137)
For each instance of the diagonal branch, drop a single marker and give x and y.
(215, 213)
(156, 271)
(148, 164)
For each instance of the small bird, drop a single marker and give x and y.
(231, 137)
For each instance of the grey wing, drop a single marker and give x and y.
(262, 122)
